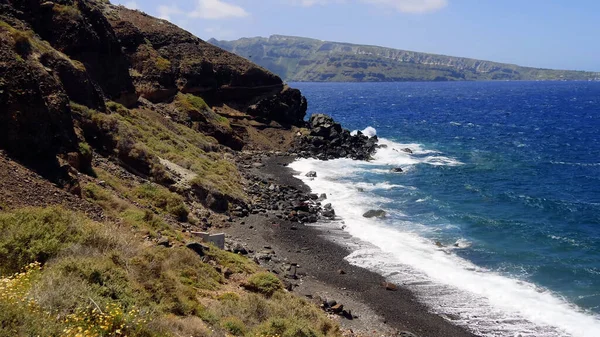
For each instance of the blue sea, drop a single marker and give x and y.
(495, 221)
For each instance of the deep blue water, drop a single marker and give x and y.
(527, 196)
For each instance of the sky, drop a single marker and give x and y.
(557, 34)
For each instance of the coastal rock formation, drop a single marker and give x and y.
(379, 213)
(63, 61)
(165, 59)
(328, 140)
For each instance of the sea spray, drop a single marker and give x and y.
(399, 248)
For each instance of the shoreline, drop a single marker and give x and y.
(322, 273)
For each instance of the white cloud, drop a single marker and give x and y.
(308, 3)
(411, 6)
(166, 12)
(131, 5)
(217, 9)
(404, 6)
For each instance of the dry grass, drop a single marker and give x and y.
(142, 136)
(104, 280)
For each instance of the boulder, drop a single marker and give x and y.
(407, 150)
(328, 213)
(311, 174)
(321, 120)
(198, 248)
(240, 249)
(328, 140)
(389, 286)
(301, 206)
(338, 308)
(379, 213)
(397, 170)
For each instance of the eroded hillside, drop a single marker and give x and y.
(120, 136)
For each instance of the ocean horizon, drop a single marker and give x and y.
(494, 222)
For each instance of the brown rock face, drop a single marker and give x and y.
(167, 59)
(288, 106)
(54, 54)
(80, 30)
(35, 120)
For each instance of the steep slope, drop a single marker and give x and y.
(304, 59)
(118, 139)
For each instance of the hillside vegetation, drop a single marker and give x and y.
(118, 141)
(303, 59)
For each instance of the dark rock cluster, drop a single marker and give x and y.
(328, 140)
(287, 107)
(284, 202)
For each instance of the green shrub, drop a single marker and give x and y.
(37, 234)
(189, 102)
(85, 150)
(70, 12)
(235, 263)
(163, 64)
(234, 325)
(117, 107)
(163, 199)
(264, 283)
(233, 297)
(286, 327)
(22, 42)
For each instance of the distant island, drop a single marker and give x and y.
(299, 59)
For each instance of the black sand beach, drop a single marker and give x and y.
(323, 274)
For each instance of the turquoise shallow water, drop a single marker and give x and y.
(508, 171)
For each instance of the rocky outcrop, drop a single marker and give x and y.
(61, 59)
(165, 59)
(80, 30)
(328, 140)
(375, 213)
(287, 107)
(35, 121)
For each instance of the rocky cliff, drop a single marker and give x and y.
(62, 62)
(304, 59)
(122, 139)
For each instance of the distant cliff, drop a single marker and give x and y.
(303, 59)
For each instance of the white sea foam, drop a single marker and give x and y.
(488, 303)
(574, 164)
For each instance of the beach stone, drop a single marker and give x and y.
(328, 213)
(375, 213)
(389, 286)
(311, 174)
(240, 249)
(406, 334)
(338, 308)
(300, 206)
